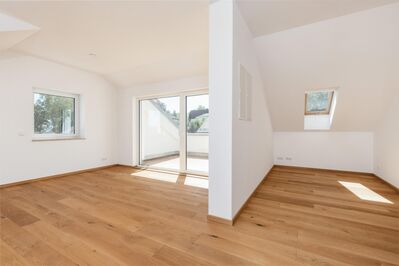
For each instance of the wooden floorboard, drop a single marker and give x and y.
(116, 216)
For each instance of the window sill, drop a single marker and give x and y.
(57, 139)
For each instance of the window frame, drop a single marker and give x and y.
(330, 101)
(55, 136)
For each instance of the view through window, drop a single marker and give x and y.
(197, 132)
(54, 114)
(318, 102)
(169, 143)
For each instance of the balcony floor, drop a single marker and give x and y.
(194, 163)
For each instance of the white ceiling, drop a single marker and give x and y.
(269, 16)
(13, 31)
(357, 53)
(134, 41)
(138, 42)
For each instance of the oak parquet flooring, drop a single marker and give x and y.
(115, 216)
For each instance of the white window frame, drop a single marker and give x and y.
(55, 136)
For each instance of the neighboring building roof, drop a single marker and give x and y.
(195, 113)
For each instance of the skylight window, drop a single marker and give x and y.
(319, 109)
(318, 102)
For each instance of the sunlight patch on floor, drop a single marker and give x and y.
(364, 192)
(193, 164)
(156, 175)
(168, 164)
(198, 164)
(195, 181)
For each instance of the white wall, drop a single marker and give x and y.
(198, 143)
(221, 20)
(240, 151)
(252, 140)
(127, 111)
(357, 53)
(350, 151)
(160, 136)
(22, 159)
(317, 122)
(386, 149)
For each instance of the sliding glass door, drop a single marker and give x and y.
(197, 132)
(173, 132)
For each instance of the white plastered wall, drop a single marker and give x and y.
(386, 148)
(252, 139)
(221, 106)
(240, 151)
(349, 151)
(20, 157)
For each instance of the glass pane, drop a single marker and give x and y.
(159, 133)
(54, 114)
(318, 102)
(197, 132)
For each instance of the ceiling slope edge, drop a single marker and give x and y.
(14, 31)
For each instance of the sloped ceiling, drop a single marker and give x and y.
(269, 16)
(13, 31)
(357, 53)
(133, 41)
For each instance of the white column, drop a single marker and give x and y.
(221, 53)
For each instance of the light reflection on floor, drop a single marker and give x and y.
(193, 164)
(197, 164)
(196, 181)
(157, 175)
(364, 192)
(167, 176)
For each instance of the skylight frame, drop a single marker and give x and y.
(330, 102)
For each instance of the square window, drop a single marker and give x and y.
(55, 114)
(318, 102)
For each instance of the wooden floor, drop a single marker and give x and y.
(112, 217)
